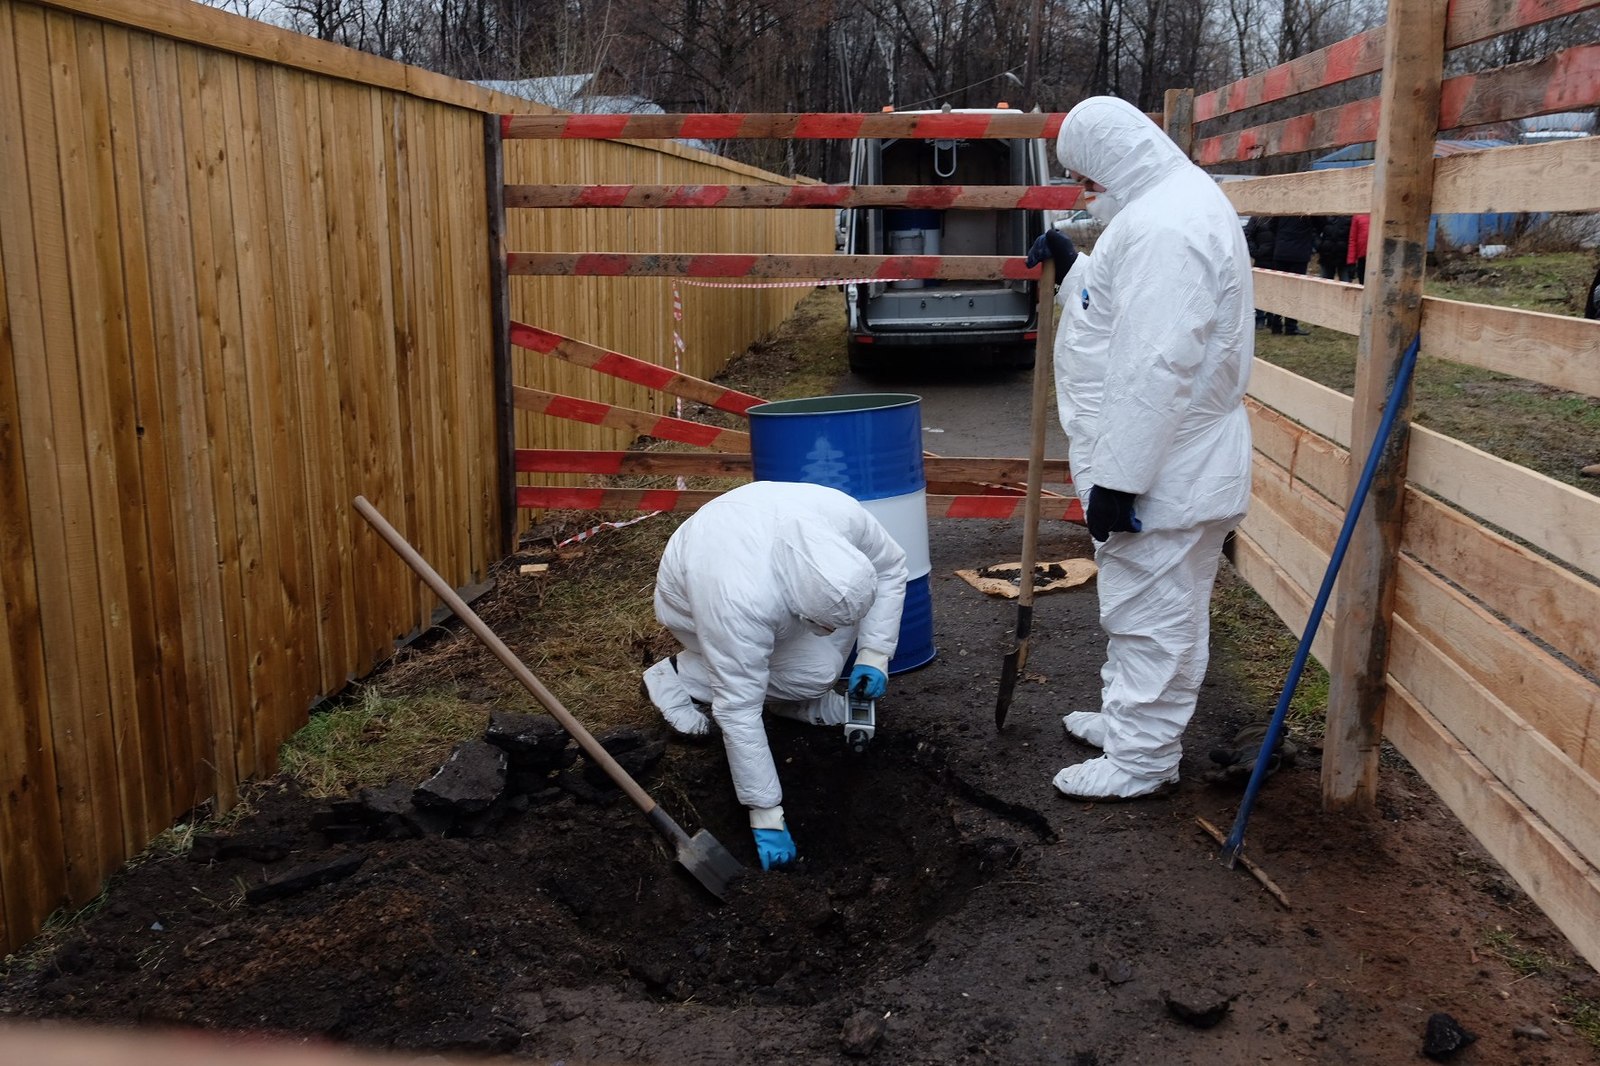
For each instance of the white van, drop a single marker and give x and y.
(896, 325)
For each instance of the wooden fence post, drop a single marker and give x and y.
(1391, 315)
(500, 332)
(1178, 119)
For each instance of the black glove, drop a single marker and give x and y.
(1054, 244)
(1110, 511)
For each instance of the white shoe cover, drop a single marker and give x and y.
(666, 691)
(1088, 727)
(830, 708)
(1098, 779)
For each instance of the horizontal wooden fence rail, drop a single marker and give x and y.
(996, 507)
(724, 265)
(641, 423)
(926, 125)
(629, 368)
(727, 464)
(1561, 176)
(927, 197)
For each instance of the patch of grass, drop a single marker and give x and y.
(1584, 1016)
(1542, 428)
(375, 738)
(1524, 960)
(1252, 650)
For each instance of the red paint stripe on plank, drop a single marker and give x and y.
(684, 431)
(934, 196)
(826, 195)
(576, 410)
(982, 507)
(505, 125)
(1059, 197)
(563, 461)
(720, 266)
(602, 264)
(635, 370)
(539, 340)
(556, 498)
(603, 196)
(595, 126)
(712, 127)
(828, 126)
(1342, 59)
(1017, 268)
(737, 402)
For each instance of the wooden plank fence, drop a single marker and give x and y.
(244, 276)
(1463, 627)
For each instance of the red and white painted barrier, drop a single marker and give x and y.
(927, 125)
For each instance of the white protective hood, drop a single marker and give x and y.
(1157, 331)
(738, 578)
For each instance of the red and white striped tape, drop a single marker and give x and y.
(592, 530)
(794, 283)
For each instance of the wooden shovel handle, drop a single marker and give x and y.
(591, 747)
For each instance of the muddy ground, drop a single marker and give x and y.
(950, 906)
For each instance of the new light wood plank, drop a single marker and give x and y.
(1558, 880)
(1561, 704)
(59, 489)
(1523, 586)
(1557, 518)
(1539, 773)
(1308, 457)
(1556, 350)
(1341, 191)
(1288, 600)
(1322, 410)
(1334, 304)
(1561, 176)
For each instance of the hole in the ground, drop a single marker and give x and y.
(883, 858)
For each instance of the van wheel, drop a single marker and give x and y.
(1021, 357)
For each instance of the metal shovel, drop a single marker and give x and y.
(710, 863)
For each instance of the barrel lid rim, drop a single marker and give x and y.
(892, 400)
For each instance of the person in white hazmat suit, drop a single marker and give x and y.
(768, 587)
(1153, 354)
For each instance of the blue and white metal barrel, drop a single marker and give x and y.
(870, 447)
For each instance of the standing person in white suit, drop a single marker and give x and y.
(768, 587)
(1153, 354)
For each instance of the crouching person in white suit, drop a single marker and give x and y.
(768, 587)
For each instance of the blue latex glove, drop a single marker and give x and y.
(775, 847)
(1110, 511)
(868, 681)
(1053, 244)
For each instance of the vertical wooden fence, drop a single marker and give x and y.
(1464, 626)
(244, 276)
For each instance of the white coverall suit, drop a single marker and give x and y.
(767, 587)
(1153, 354)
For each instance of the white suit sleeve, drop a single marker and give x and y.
(1165, 308)
(737, 654)
(880, 629)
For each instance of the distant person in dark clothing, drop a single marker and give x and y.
(1333, 250)
(1592, 308)
(1295, 237)
(1258, 237)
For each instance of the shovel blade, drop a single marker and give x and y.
(1010, 670)
(711, 864)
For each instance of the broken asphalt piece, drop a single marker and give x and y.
(1200, 1007)
(535, 743)
(215, 847)
(861, 1033)
(1444, 1037)
(468, 782)
(633, 752)
(310, 875)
